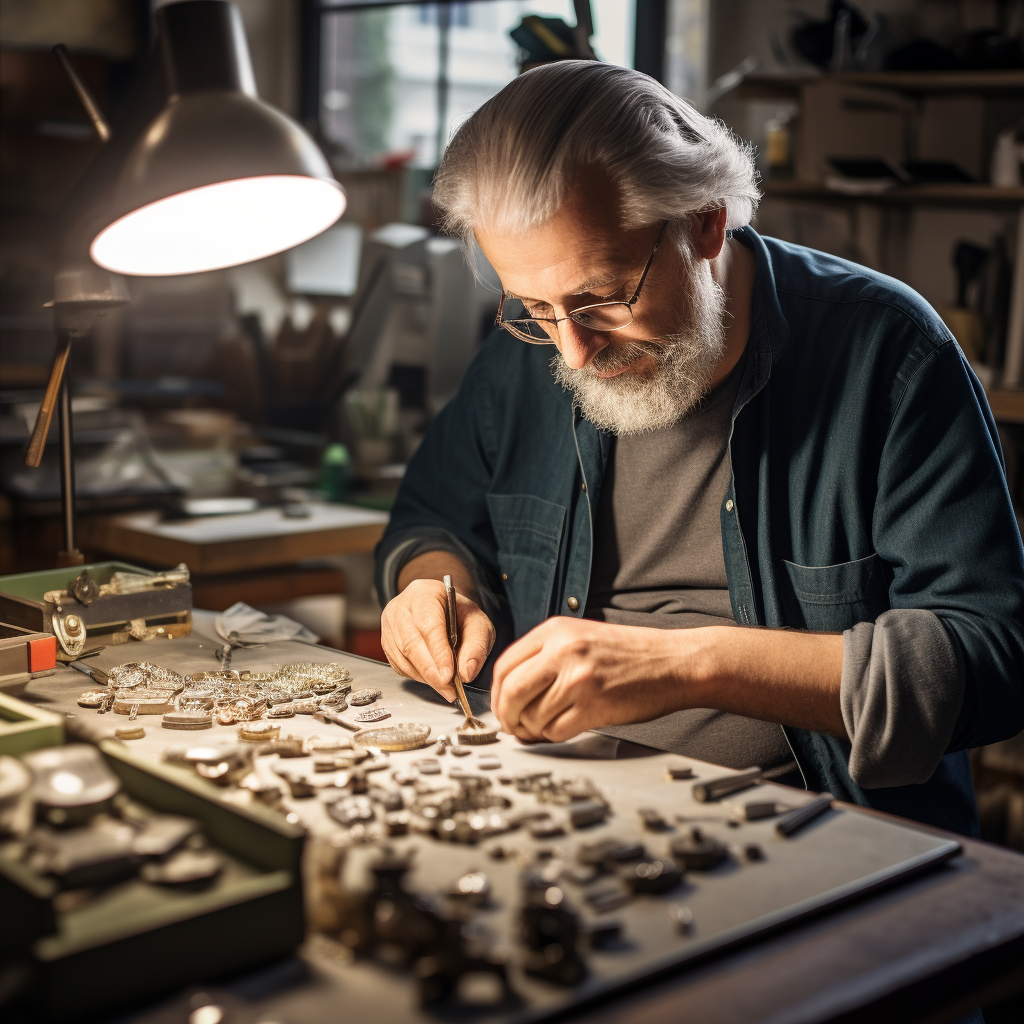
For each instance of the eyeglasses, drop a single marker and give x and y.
(599, 316)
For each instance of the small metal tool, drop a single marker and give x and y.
(726, 784)
(452, 622)
(791, 823)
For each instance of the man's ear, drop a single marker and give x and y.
(709, 232)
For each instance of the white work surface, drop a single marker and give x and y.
(843, 854)
(266, 522)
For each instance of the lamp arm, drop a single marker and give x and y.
(38, 443)
(60, 51)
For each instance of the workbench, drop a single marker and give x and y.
(928, 948)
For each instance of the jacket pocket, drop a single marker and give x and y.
(528, 530)
(832, 598)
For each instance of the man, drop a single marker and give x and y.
(686, 425)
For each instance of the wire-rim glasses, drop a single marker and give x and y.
(597, 316)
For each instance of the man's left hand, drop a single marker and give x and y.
(568, 675)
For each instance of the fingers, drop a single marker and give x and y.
(476, 638)
(415, 639)
(519, 687)
(516, 654)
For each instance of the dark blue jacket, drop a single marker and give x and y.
(867, 475)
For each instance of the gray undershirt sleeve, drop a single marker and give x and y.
(433, 539)
(901, 691)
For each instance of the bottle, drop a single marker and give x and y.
(335, 472)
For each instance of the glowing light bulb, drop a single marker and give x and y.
(218, 225)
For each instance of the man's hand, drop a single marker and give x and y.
(415, 639)
(568, 675)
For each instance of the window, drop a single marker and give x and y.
(402, 78)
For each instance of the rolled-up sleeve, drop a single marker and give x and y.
(901, 692)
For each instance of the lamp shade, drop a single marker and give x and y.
(218, 178)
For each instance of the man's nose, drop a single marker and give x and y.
(578, 345)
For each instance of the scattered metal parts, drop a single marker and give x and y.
(550, 930)
(258, 731)
(477, 735)
(84, 588)
(185, 867)
(714, 789)
(606, 895)
(791, 823)
(584, 813)
(188, 719)
(653, 820)
(69, 629)
(373, 715)
(697, 852)
(361, 697)
(681, 916)
(350, 810)
(654, 876)
(400, 736)
(473, 888)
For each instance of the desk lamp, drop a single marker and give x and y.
(199, 175)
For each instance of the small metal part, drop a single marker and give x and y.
(83, 588)
(584, 813)
(546, 827)
(607, 895)
(282, 711)
(373, 715)
(69, 629)
(697, 852)
(397, 737)
(603, 933)
(93, 698)
(473, 888)
(351, 810)
(191, 719)
(361, 697)
(477, 735)
(396, 823)
(681, 916)
(136, 732)
(460, 751)
(427, 766)
(754, 810)
(188, 866)
(753, 852)
(713, 789)
(603, 853)
(791, 823)
(680, 771)
(488, 764)
(327, 744)
(579, 874)
(654, 876)
(258, 731)
(654, 821)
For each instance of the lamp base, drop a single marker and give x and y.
(69, 558)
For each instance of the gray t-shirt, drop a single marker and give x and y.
(658, 561)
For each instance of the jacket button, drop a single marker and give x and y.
(584, 486)
(729, 505)
(573, 604)
(504, 575)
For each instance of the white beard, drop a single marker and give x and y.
(684, 363)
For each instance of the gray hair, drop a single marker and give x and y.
(510, 164)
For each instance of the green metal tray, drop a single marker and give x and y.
(137, 940)
(25, 727)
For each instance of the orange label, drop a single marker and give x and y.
(42, 654)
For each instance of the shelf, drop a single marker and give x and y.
(790, 85)
(902, 195)
(1007, 406)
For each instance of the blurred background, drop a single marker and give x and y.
(891, 134)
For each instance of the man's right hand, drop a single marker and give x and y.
(415, 637)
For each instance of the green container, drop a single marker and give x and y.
(22, 604)
(25, 727)
(138, 940)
